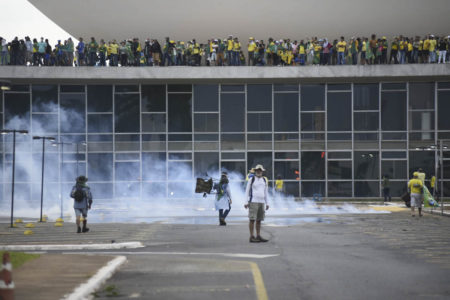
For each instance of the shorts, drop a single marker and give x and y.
(416, 200)
(256, 211)
(81, 211)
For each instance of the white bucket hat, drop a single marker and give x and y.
(260, 167)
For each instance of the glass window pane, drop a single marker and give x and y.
(443, 109)
(263, 158)
(154, 166)
(206, 122)
(72, 113)
(180, 156)
(339, 155)
(393, 111)
(394, 86)
(232, 116)
(365, 96)
(421, 159)
(313, 121)
(126, 116)
(180, 170)
(206, 97)
(339, 116)
(100, 142)
(291, 189)
(71, 88)
(99, 98)
(395, 169)
(233, 155)
(286, 155)
(126, 88)
(312, 97)
(366, 165)
(340, 189)
(127, 171)
(421, 120)
(154, 190)
(180, 113)
(339, 86)
(180, 189)
(179, 88)
(309, 189)
(20, 88)
(259, 97)
(153, 98)
(206, 163)
(312, 165)
(100, 123)
(17, 108)
(367, 189)
(232, 88)
(339, 169)
(259, 122)
(393, 154)
(232, 141)
(366, 121)
(421, 95)
(154, 122)
(285, 87)
(287, 170)
(286, 112)
(44, 123)
(235, 167)
(100, 166)
(127, 142)
(45, 98)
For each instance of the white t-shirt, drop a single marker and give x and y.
(259, 190)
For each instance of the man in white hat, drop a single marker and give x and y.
(256, 194)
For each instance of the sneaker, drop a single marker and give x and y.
(261, 239)
(79, 230)
(253, 240)
(85, 229)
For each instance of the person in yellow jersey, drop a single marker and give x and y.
(415, 188)
(251, 51)
(402, 49)
(409, 50)
(230, 45)
(394, 51)
(236, 52)
(114, 53)
(302, 52)
(433, 184)
(279, 186)
(426, 49)
(341, 47)
(432, 49)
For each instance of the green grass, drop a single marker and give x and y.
(19, 258)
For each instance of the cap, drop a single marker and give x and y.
(416, 174)
(251, 38)
(259, 167)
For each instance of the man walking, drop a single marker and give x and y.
(415, 188)
(81, 193)
(256, 194)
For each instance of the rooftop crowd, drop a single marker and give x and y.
(227, 52)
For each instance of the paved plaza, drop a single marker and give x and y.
(318, 256)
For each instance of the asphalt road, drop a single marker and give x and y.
(385, 256)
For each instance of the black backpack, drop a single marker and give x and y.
(78, 195)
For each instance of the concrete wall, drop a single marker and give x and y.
(410, 72)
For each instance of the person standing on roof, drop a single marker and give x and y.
(256, 194)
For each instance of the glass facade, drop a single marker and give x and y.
(337, 140)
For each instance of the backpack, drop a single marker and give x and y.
(251, 186)
(79, 194)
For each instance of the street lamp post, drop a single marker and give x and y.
(6, 131)
(43, 138)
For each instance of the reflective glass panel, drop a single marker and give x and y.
(153, 98)
(286, 112)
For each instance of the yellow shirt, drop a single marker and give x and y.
(402, 45)
(433, 181)
(196, 49)
(114, 48)
(364, 46)
(230, 45)
(420, 45)
(301, 49)
(341, 46)
(432, 45)
(410, 47)
(421, 176)
(251, 47)
(236, 46)
(279, 184)
(415, 186)
(426, 44)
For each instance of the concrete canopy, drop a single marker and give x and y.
(261, 19)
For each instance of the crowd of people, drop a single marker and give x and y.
(227, 52)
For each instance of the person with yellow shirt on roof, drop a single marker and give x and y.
(402, 49)
(236, 52)
(409, 50)
(420, 51)
(415, 188)
(384, 50)
(394, 51)
(114, 53)
(230, 45)
(251, 48)
(426, 49)
(432, 49)
(302, 52)
(196, 53)
(341, 47)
